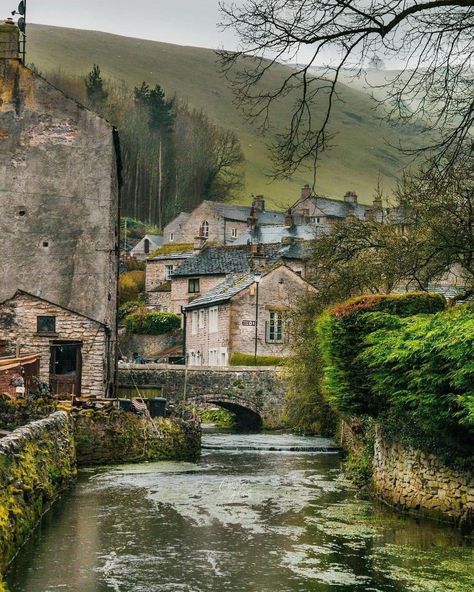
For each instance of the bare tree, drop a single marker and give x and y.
(433, 38)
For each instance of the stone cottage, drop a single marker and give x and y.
(59, 194)
(220, 223)
(247, 313)
(146, 246)
(59, 191)
(74, 350)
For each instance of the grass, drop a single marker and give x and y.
(364, 148)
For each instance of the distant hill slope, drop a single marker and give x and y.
(361, 153)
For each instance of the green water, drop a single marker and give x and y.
(246, 521)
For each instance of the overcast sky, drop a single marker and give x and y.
(186, 22)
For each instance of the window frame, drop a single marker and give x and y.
(234, 232)
(40, 331)
(194, 282)
(171, 237)
(275, 329)
(204, 229)
(168, 271)
(194, 322)
(213, 319)
(201, 318)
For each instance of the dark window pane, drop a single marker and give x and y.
(46, 324)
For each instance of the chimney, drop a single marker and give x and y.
(306, 192)
(289, 221)
(252, 219)
(351, 198)
(258, 203)
(9, 40)
(198, 245)
(377, 203)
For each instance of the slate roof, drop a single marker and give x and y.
(299, 250)
(215, 261)
(266, 235)
(241, 213)
(336, 208)
(224, 291)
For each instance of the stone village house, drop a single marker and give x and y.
(245, 313)
(59, 192)
(73, 349)
(146, 246)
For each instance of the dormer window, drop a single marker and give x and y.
(171, 237)
(204, 229)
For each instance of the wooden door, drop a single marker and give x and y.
(66, 368)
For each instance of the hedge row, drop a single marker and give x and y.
(151, 322)
(413, 372)
(239, 359)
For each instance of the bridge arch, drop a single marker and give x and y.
(246, 413)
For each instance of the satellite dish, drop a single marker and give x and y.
(22, 8)
(22, 25)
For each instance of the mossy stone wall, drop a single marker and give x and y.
(120, 437)
(37, 462)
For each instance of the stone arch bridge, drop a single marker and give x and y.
(255, 394)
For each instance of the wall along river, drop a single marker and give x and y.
(257, 513)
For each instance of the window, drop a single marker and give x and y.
(204, 229)
(214, 319)
(46, 324)
(213, 357)
(223, 360)
(202, 317)
(146, 246)
(193, 286)
(194, 323)
(234, 232)
(168, 271)
(275, 327)
(171, 237)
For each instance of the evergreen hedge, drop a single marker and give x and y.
(151, 322)
(240, 359)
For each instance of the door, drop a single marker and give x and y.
(66, 368)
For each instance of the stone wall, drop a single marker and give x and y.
(121, 437)
(150, 346)
(179, 290)
(36, 463)
(418, 482)
(18, 412)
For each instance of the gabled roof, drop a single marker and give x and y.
(224, 291)
(266, 235)
(215, 261)
(298, 250)
(242, 213)
(336, 208)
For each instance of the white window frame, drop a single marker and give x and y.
(275, 330)
(213, 319)
(168, 271)
(213, 356)
(202, 318)
(223, 358)
(194, 322)
(204, 229)
(171, 237)
(234, 233)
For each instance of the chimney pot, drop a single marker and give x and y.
(258, 203)
(306, 192)
(9, 40)
(351, 198)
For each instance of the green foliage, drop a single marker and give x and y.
(216, 415)
(96, 93)
(128, 307)
(131, 285)
(151, 322)
(240, 359)
(171, 248)
(341, 333)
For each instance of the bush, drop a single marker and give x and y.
(341, 333)
(239, 359)
(151, 322)
(128, 307)
(131, 285)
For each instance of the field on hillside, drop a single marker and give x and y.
(364, 147)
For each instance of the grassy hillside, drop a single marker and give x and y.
(362, 149)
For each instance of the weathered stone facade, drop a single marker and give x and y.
(36, 463)
(278, 293)
(59, 194)
(180, 294)
(150, 346)
(418, 482)
(19, 326)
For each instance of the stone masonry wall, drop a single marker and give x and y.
(149, 346)
(179, 290)
(412, 480)
(18, 325)
(36, 463)
(202, 341)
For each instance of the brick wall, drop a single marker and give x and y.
(18, 325)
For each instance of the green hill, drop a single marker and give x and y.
(363, 149)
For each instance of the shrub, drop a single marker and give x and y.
(128, 307)
(240, 359)
(151, 322)
(131, 285)
(341, 333)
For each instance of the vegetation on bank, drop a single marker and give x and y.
(407, 363)
(142, 321)
(131, 286)
(241, 359)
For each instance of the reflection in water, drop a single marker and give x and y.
(256, 521)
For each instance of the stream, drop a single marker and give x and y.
(258, 513)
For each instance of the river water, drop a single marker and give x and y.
(246, 520)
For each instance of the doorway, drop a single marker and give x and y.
(66, 368)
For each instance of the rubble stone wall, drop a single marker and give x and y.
(37, 462)
(415, 481)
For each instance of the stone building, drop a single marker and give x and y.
(158, 273)
(75, 350)
(245, 313)
(220, 223)
(59, 195)
(146, 246)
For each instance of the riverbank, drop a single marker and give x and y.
(237, 520)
